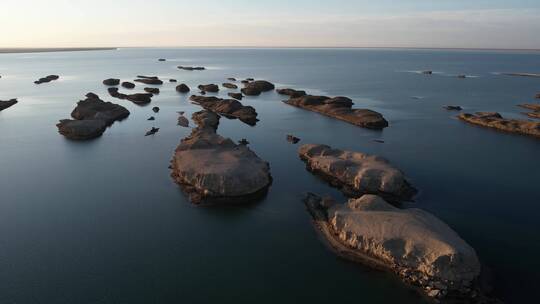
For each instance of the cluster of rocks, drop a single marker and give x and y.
(256, 87)
(496, 121)
(337, 107)
(4, 104)
(227, 107)
(413, 243)
(90, 118)
(47, 79)
(189, 68)
(535, 108)
(213, 169)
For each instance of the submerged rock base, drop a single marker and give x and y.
(213, 169)
(496, 121)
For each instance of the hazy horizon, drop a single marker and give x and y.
(484, 24)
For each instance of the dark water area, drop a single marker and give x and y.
(102, 222)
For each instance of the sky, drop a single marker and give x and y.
(272, 23)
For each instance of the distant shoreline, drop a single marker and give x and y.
(48, 50)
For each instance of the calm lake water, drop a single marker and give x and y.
(102, 222)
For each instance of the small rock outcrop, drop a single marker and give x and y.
(111, 82)
(414, 244)
(189, 68)
(292, 93)
(150, 80)
(293, 139)
(494, 120)
(340, 108)
(140, 98)
(128, 85)
(231, 79)
(357, 173)
(255, 88)
(155, 109)
(173, 80)
(427, 72)
(182, 88)
(154, 91)
(237, 96)
(535, 108)
(4, 104)
(183, 121)
(212, 88)
(453, 108)
(537, 96)
(213, 169)
(227, 107)
(162, 59)
(229, 85)
(152, 131)
(92, 116)
(47, 79)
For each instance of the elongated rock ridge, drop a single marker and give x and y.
(357, 173)
(227, 107)
(494, 120)
(420, 248)
(213, 169)
(4, 104)
(339, 108)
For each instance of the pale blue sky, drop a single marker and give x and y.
(360, 23)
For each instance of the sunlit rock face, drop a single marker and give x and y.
(213, 169)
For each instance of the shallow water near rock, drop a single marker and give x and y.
(101, 221)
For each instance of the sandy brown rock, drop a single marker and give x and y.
(340, 108)
(4, 104)
(227, 107)
(212, 88)
(413, 243)
(213, 169)
(531, 106)
(496, 121)
(357, 173)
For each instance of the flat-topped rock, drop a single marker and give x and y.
(150, 80)
(212, 88)
(189, 68)
(81, 129)
(340, 108)
(229, 85)
(111, 82)
(182, 88)
(357, 173)
(496, 121)
(213, 169)
(292, 93)
(227, 107)
(413, 243)
(140, 98)
(93, 108)
(4, 104)
(47, 79)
